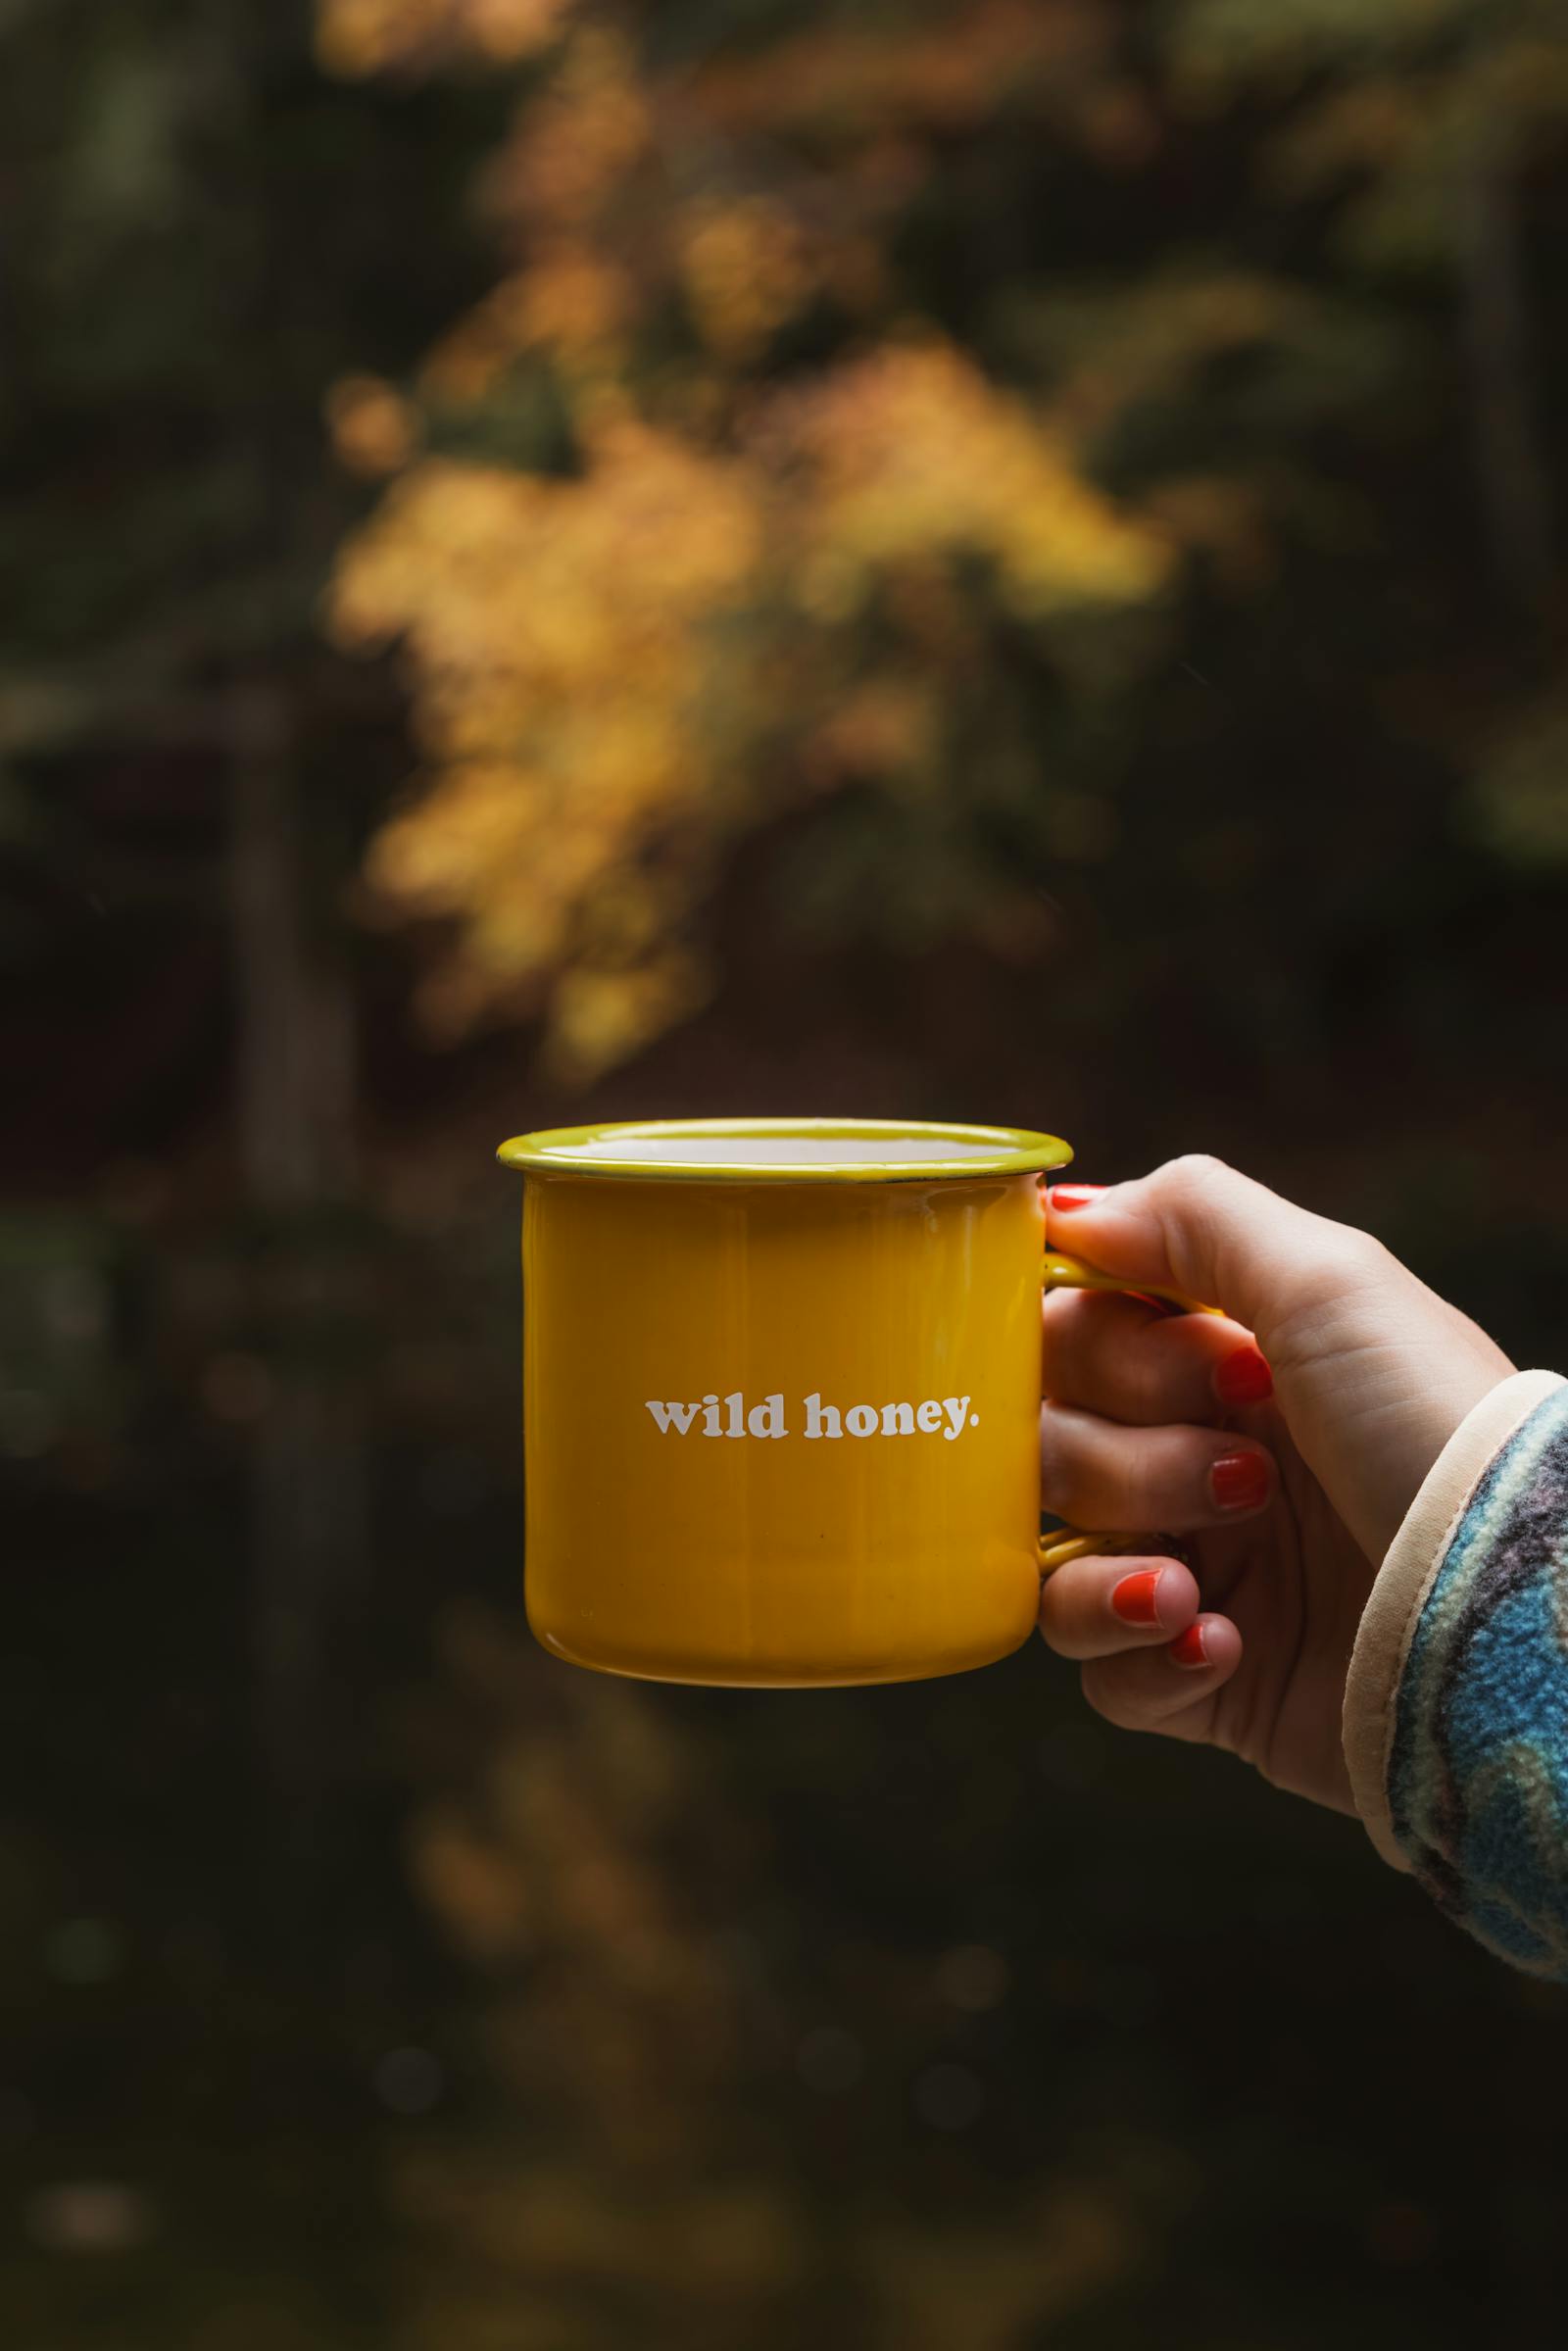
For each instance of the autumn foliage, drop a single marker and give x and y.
(760, 517)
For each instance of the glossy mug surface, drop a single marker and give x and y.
(781, 1396)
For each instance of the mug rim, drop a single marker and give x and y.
(589, 1151)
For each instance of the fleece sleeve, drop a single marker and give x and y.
(1456, 1703)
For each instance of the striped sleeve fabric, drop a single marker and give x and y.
(1475, 1758)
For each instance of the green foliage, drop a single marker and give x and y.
(1230, 40)
(1517, 804)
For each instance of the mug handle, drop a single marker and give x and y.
(1059, 1272)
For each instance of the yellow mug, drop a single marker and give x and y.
(781, 1396)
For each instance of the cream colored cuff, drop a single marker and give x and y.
(1406, 1578)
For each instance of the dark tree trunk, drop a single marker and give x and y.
(1514, 486)
(295, 1078)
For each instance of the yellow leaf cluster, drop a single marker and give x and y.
(576, 142)
(746, 269)
(374, 430)
(554, 632)
(911, 455)
(572, 305)
(605, 664)
(620, 188)
(946, 74)
(587, 739)
(366, 36)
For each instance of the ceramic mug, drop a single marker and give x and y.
(781, 1396)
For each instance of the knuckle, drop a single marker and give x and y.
(1194, 1172)
(1146, 1382)
(1148, 1480)
(1349, 1260)
(1194, 1196)
(1366, 1249)
(1153, 1505)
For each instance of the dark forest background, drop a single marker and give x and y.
(939, 557)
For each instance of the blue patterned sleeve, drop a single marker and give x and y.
(1477, 1760)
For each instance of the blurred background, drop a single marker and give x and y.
(992, 559)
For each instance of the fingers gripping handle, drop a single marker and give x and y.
(1060, 1272)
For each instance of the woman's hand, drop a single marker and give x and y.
(1283, 1443)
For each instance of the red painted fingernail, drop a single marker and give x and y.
(1239, 1481)
(1189, 1648)
(1136, 1599)
(1242, 1377)
(1067, 1197)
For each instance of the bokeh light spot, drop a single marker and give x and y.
(973, 1977)
(949, 2097)
(83, 1950)
(830, 2060)
(409, 2080)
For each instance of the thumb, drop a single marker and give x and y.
(1197, 1226)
